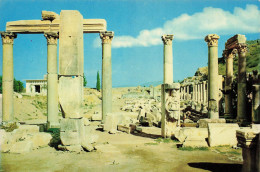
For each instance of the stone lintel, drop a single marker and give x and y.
(229, 53)
(106, 36)
(212, 40)
(247, 137)
(234, 41)
(167, 39)
(172, 86)
(41, 26)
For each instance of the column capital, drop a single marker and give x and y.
(51, 37)
(212, 40)
(229, 53)
(106, 37)
(167, 39)
(8, 37)
(241, 48)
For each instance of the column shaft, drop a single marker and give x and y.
(241, 85)
(7, 79)
(106, 74)
(212, 40)
(52, 81)
(168, 59)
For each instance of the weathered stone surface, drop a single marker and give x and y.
(86, 121)
(90, 136)
(183, 133)
(71, 96)
(111, 122)
(71, 148)
(27, 129)
(128, 129)
(72, 131)
(195, 141)
(256, 127)
(41, 140)
(1, 115)
(203, 123)
(21, 147)
(222, 134)
(49, 15)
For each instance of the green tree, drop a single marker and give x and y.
(98, 81)
(85, 80)
(18, 86)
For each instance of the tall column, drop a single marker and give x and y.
(168, 59)
(204, 92)
(228, 83)
(106, 73)
(241, 84)
(52, 80)
(193, 92)
(212, 40)
(8, 76)
(188, 92)
(201, 93)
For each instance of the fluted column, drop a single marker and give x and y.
(168, 59)
(8, 77)
(106, 38)
(212, 40)
(52, 80)
(229, 55)
(241, 84)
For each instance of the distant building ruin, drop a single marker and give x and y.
(37, 85)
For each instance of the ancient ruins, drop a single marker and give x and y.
(197, 113)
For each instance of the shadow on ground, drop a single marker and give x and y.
(142, 134)
(216, 167)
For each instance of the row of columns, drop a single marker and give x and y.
(52, 77)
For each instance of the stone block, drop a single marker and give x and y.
(41, 140)
(195, 141)
(222, 134)
(71, 148)
(71, 96)
(90, 137)
(203, 123)
(70, 138)
(86, 121)
(71, 124)
(88, 147)
(256, 127)
(22, 147)
(128, 129)
(3, 136)
(96, 117)
(183, 133)
(28, 129)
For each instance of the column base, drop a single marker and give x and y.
(229, 116)
(53, 125)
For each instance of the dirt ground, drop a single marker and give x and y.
(144, 151)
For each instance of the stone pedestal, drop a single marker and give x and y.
(249, 141)
(170, 109)
(8, 77)
(106, 38)
(52, 80)
(168, 59)
(212, 40)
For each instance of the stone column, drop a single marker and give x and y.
(256, 104)
(193, 92)
(8, 76)
(212, 40)
(52, 80)
(228, 83)
(168, 59)
(188, 92)
(201, 93)
(204, 91)
(106, 38)
(241, 84)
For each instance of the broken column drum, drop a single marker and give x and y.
(170, 108)
(52, 80)
(168, 59)
(106, 38)
(213, 111)
(8, 76)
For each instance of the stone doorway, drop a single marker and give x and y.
(37, 88)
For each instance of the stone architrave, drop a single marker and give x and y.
(229, 55)
(106, 38)
(168, 59)
(52, 80)
(213, 92)
(170, 120)
(8, 76)
(71, 63)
